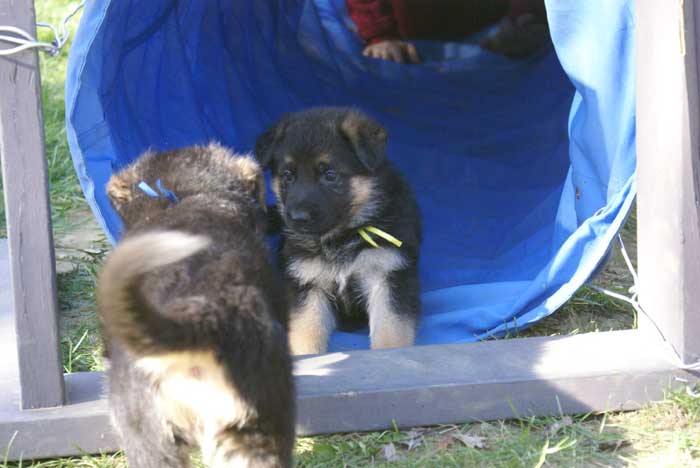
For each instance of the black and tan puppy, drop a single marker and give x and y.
(338, 197)
(192, 316)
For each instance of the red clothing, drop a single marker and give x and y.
(378, 20)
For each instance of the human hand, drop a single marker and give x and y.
(394, 50)
(518, 39)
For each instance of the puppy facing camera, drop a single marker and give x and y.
(351, 230)
(193, 320)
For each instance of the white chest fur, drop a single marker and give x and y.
(368, 265)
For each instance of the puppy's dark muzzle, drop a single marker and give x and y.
(301, 219)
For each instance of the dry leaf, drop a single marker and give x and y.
(471, 441)
(445, 442)
(389, 452)
(414, 440)
(613, 445)
(414, 433)
(445, 428)
(556, 426)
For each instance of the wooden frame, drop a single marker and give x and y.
(668, 144)
(29, 218)
(454, 383)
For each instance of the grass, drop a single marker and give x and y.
(663, 434)
(666, 433)
(65, 194)
(80, 343)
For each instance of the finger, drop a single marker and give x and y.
(412, 54)
(397, 56)
(377, 53)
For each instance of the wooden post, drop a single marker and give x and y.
(32, 268)
(668, 152)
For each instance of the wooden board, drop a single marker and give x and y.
(9, 372)
(372, 390)
(28, 218)
(668, 165)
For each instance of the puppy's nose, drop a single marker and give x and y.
(299, 216)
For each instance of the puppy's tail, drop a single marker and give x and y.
(125, 314)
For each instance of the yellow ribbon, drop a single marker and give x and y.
(384, 235)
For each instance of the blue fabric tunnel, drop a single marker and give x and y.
(524, 169)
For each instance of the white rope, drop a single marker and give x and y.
(23, 40)
(638, 308)
(620, 297)
(630, 267)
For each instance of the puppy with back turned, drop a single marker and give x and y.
(351, 229)
(193, 320)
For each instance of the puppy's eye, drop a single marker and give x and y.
(287, 176)
(330, 175)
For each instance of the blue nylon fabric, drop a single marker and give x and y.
(524, 170)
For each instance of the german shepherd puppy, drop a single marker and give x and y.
(193, 318)
(332, 179)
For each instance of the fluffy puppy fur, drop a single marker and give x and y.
(193, 324)
(331, 177)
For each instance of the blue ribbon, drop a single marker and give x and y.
(148, 190)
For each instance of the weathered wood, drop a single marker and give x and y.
(79, 427)
(370, 390)
(9, 373)
(28, 218)
(668, 164)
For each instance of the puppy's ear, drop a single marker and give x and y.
(250, 175)
(367, 138)
(119, 191)
(260, 190)
(266, 143)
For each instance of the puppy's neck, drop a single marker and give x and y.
(338, 245)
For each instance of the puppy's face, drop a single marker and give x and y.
(185, 172)
(324, 162)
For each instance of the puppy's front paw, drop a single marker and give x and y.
(392, 332)
(311, 324)
(306, 340)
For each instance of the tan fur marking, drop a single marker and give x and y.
(246, 168)
(387, 329)
(362, 189)
(206, 403)
(311, 324)
(252, 175)
(226, 452)
(276, 187)
(243, 167)
(363, 193)
(323, 158)
(119, 189)
(351, 125)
